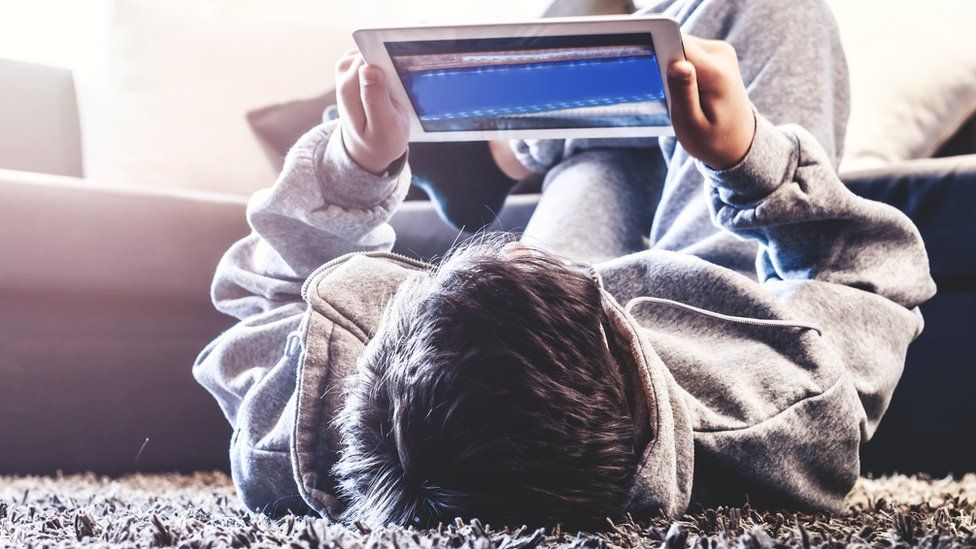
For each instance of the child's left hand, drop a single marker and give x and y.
(712, 116)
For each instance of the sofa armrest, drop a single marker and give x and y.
(70, 236)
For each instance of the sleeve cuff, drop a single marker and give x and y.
(346, 183)
(771, 160)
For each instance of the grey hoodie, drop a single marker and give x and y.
(755, 389)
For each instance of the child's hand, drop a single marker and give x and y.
(374, 127)
(710, 110)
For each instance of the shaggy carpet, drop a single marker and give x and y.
(202, 510)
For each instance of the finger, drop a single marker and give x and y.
(349, 99)
(686, 111)
(688, 40)
(709, 68)
(699, 54)
(342, 65)
(400, 109)
(375, 94)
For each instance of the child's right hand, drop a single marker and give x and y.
(713, 118)
(374, 126)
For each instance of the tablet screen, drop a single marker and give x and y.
(541, 82)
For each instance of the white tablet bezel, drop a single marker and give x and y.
(665, 36)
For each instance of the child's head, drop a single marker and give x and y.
(489, 391)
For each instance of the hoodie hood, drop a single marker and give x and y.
(347, 298)
(663, 479)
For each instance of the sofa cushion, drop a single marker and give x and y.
(913, 76)
(103, 306)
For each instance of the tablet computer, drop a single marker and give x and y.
(555, 78)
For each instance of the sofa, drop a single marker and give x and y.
(104, 298)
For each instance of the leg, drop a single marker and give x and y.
(790, 56)
(794, 69)
(597, 204)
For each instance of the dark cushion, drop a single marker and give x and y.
(277, 127)
(928, 426)
(963, 142)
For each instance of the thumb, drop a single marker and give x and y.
(375, 94)
(686, 111)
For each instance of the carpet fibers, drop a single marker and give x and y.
(202, 510)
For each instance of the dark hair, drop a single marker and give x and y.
(488, 391)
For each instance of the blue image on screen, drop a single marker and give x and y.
(590, 81)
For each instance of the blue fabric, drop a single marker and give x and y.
(928, 426)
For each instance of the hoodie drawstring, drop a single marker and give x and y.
(728, 318)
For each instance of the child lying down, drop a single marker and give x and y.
(574, 375)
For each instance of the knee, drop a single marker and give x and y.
(784, 23)
(608, 168)
(779, 13)
(800, 33)
(747, 22)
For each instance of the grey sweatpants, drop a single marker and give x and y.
(606, 198)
